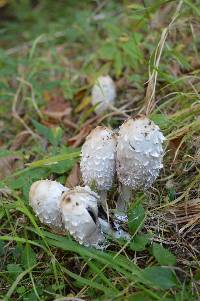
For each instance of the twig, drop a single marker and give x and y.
(150, 93)
(32, 96)
(44, 38)
(16, 115)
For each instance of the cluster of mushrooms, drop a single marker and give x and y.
(133, 154)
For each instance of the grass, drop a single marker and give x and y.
(53, 51)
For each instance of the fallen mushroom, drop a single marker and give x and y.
(80, 216)
(44, 198)
(103, 94)
(139, 157)
(98, 160)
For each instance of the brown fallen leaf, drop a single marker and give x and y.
(68, 123)
(57, 108)
(9, 164)
(20, 139)
(121, 83)
(79, 138)
(86, 129)
(81, 93)
(93, 121)
(83, 104)
(175, 143)
(3, 2)
(74, 177)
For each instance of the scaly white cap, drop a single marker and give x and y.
(80, 215)
(103, 94)
(44, 198)
(139, 153)
(98, 158)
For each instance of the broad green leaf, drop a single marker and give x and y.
(21, 290)
(27, 177)
(5, 153)
(62, 167)
(44, 131)
(162, 255)
(108, 51)
(161, 120)
(16, 282)
(139, 242)
(53, 135)
(55, 159)
(160, 277)
(14, 270)
(136, 217)
(132, 51)
(28, 258)
(146, 296)
(141, 296)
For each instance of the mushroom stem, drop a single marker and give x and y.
(122, 203)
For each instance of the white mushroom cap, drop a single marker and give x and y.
(44, 198)
(80, 215)
(98, 158)
(103, 94)
(139, 153)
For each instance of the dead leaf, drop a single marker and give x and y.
(48, 123)
(84, 103)
(20, 139)
(67, 122)
(57, 108)
(3, 2)
(79, 138)
(47, 96)
(86, 129)
(121, 83)
(174, 143)
(81, 93)
(93, 121)
(9, 164)
(74, 177)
